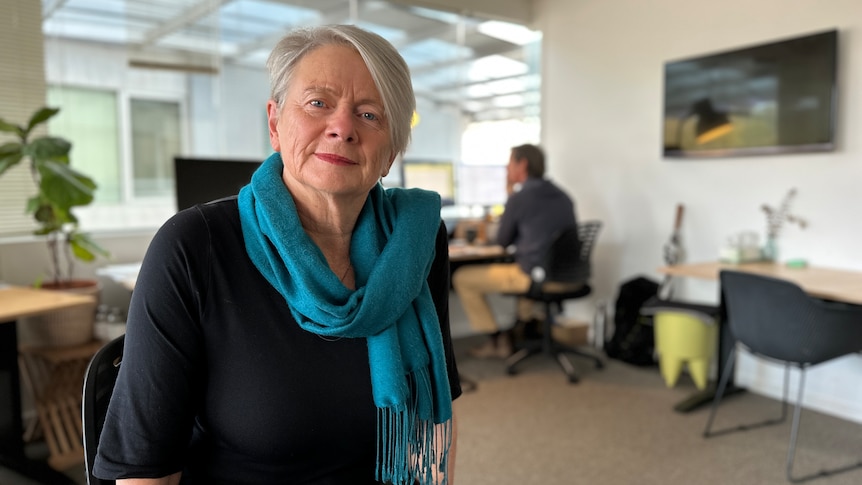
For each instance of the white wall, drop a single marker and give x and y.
(601, 119)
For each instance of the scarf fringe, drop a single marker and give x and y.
(411, 448)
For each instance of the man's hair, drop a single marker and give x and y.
(388, 70)
(535, 159)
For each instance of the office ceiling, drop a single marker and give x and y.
(487, 69)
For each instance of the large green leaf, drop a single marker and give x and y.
(41, 116)
(85, 248)
(64, 186)
(11, 128)
(49, 148)
(10, 155)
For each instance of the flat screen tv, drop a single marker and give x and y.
(200, 180)
(770, 98)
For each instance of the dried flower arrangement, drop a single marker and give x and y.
(775, 218)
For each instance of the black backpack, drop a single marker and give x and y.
(633, 339)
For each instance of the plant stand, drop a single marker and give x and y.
(54, 376)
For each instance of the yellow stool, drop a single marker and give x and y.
(681, 337)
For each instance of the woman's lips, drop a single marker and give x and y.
(334, 159)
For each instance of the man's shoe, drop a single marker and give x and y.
(487, 350)
(505, 346)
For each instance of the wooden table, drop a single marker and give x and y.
(17, 302)
(827, 283)
(460, 253)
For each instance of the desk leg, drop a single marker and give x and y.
(725, 344)
(11, 428)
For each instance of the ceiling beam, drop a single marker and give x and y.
(336, 15)
(515, 11)
(51, 8)
(187, 17)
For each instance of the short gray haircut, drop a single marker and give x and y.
(388, 70)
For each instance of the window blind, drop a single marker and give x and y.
(22, 91)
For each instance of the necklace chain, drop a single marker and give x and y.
(349, 267)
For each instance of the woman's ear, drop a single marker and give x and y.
(272, 122)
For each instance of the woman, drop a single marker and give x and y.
(297, 333)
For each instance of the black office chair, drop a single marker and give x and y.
(98, 387)
(564, 276)
(777, 320)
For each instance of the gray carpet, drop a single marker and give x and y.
(618, 426)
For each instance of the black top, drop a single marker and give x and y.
(531, 219)
(220, 382)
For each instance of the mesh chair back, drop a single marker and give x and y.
(98, 387)
(777, 319)
(568, 257)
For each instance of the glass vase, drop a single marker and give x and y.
(770, 250)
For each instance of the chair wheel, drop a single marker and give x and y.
(511, 371)
(600, 365)
(573, 379)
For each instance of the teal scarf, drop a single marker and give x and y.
(392, 248)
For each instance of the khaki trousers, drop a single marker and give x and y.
(473, 282)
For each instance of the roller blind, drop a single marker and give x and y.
(22, 91)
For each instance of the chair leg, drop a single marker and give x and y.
(708, 433)
(794, 436)
(719, 393)
(794, 430)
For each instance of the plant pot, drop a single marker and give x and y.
(72, 326)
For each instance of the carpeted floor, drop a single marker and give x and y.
(618, 426)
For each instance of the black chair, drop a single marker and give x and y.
(564, 276)
(98, 387)
(777, 320)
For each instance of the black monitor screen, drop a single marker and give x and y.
(770, 98)
(200, 180)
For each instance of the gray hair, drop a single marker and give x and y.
(388, 70)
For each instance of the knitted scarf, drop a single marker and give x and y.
(392, 248)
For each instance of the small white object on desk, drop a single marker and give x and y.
(124, 274)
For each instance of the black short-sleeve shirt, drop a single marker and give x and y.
(219, 382)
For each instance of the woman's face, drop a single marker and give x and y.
(331, 132)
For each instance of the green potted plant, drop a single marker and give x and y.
(59, 188)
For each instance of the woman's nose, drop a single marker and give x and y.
(342, 125)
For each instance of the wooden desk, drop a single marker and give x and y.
(17, 302)
(826, 283)
(460, 253)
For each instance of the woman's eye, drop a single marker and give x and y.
(369, 116)
(316, 103)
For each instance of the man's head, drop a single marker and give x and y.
(526, 161)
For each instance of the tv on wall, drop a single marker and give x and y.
(778, 97)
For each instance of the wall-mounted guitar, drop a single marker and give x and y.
(674, 252)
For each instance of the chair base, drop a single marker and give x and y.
(548, 346)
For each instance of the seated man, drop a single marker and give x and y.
(535, 211)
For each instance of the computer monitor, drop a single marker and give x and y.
(438, 176)
(200, 180)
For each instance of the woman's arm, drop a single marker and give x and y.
(169, 480)
(450, 465)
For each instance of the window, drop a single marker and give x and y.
(155, 142)
(88, 118)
